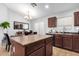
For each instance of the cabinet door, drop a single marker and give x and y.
(39, 52)
(34, 46)
(49, 49)
(76, 18)
(52, 22)
(67, 41)
(58, 40)
(76, 43)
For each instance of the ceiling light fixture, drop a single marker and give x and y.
(28, 17)
(46, 6)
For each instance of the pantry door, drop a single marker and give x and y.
(39, 28)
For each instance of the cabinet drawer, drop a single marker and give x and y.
(34, 46)
(49, 40)
(39, 52)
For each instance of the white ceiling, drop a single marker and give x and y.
(40, 10)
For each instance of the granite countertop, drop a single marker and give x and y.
(68, 33)
(24, 40)
(63, 33)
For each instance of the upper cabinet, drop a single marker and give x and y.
(76, 19)
(52, 22)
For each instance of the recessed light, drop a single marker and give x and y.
(46, 6)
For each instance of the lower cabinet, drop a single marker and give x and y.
(58, 40)
(39, 48)
(67, 41)
(49, 49)
(45, 50)
(39, 52)
(70, 42)
(76, 43)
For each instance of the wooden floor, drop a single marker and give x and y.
(3, 52)
(56, 52)
(63, 52)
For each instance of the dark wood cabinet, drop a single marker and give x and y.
(76, 43)
(41, 47)
(39, 52)
(34, 47)
(76, 18)
(67, 41)
(58, 40)
(49, 47)
(52, 22)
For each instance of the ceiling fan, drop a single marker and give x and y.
(33, 4)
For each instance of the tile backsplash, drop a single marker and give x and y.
(65, 29)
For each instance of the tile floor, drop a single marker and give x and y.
(56, 52)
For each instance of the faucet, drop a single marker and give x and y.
(64, 29)
(78, 31)
(50, 31)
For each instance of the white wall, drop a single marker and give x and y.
(3, 17)
(39, 28)
(7, 15)
(13, 16)
(64, 19)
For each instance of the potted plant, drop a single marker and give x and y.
(5, 25)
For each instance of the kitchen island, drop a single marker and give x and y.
(31, 45)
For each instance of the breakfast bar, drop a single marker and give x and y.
(31, 45)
